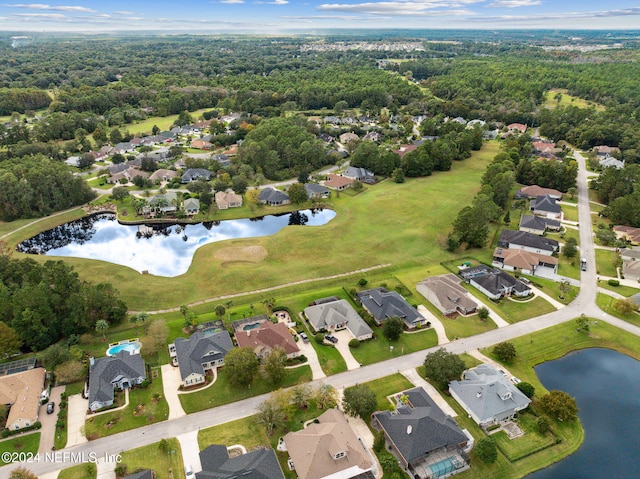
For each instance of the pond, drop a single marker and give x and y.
(159, 249)
(606, 387)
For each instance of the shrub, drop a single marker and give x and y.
(542, 425)
(613, 282)
(5, 433)
(319, 337)
(487, 450)
(378, 442)
(362, 282)
(354, 343)
(527, 389)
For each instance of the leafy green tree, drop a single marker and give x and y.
(483, 313)
(101, 328)
(241, 366)
(442, 367)
(398, 175)
(11, 341)
(570, 249)
(505, 351)
(297, 193)
(239, 184)
(115, 136)
(326, 396)
(270, 415)
(559, 405)
(220, 310)
(164, 446)
(486, 450)
(564, 287)
(392, 328)
(527, 389)
(274, 366)
(622, 306)
(301, 395)
(359, 401)
(119, 193)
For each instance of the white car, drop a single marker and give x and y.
(188, 472)
(515, 380)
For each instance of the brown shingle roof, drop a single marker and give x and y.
(22, 391)
(268, 336)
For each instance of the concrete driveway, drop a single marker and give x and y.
(190, 449)
(436, 324)
(312, 358)
(171, 381)
(342, 345)
(75, 423)
(48, 421)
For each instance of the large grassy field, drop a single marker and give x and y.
(388, 223)
(568, 100)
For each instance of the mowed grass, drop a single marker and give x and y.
(570, 212)
(568, 100)
(606, 261)
(163, 122)
(27, 444)
(223, 392)
(625, 291)
(146, 406)
(81, 471)
(400, 224)
(381, 348)
(606, 303)
(387, 386)
(165, 465)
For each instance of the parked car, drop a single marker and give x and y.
(502, 372)
(304, 337)
(515, 380)
(50, 407)
(188, 472)
(331, 338)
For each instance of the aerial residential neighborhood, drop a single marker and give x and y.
(363, 255)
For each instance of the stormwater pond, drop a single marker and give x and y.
(159, 249)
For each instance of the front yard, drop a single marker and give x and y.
(166, 464)
(381, 348)
(146, 406)
(27, 444)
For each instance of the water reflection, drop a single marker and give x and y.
(163, 250)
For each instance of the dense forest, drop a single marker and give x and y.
(41, 303)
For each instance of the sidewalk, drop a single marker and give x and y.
(556, 304)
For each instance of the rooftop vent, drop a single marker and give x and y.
(409, 429)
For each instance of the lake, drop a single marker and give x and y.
(160, 249)
(606, 387)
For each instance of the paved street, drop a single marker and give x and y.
(583, 304)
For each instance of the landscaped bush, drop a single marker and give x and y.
(613, 282)
(319, 337)
(354, 343)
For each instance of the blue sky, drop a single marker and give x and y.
(273, 16)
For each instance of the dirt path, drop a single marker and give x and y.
(266, 290)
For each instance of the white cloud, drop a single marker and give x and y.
(59, 8)
(275, 2)
(634, 11)
(402, 8)
(347, 18)
(51, 16)
(124, 12)
(514, 3)
(232, 2)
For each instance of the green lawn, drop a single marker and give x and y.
(568, 100)
(569, 267)
(570, 212)
(81, 471)
(163, 122)
(223, 392)
(625, 291)
(146, 406)
(514, 311)
(387, 386)
(379, 349)
(515, 449)
(411, 232)
(606, 261)
(24, 444)
(166, 466)
(35, 226)
(606, 302)
(552, 288)
(567, 233)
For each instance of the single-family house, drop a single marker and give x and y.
(628, 233)
(193, 174)
(201, 144)
(120, 371)
(201, 352)
(359, 174)
(472, 123)
(345, 138)
(446, 294)
(73, 161)
(373, 136)
(124, 147)
(272, 197)
(191, 206)
(404, 149)
(496, 283)
(528, 242)
(468, 272)
(546, 206)
(631, 270)
(383, 304)
(534, 191)
(524, 261)
(611, 162)
(222, 159)
(266, 337)
(517, 127)
(488, 396)
(337, 182)
(420, 435)
(128, 173)
(326, 138)
(630, 254)
(105, 150)
(604, 150)
(163, 175)
(337, 315)
(328, 449)
(538, 225)
(164, 203)
(228, 199)
(260, 463)
(20, 391)
(316, 191)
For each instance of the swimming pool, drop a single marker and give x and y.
(131, 346)
(443, 467)
(251, 326)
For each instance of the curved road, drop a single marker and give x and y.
(583, 304)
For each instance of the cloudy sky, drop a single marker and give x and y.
(272, 16)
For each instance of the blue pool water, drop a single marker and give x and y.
(251, 326)
(131, 347)
(442, 467)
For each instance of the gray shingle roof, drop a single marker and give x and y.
(383, 304)
(523, 238)
(497, 282)
(314, 189)
(538, 223)
(545, 203)
(430, 428)
(194, 173)
(327, 315)
(105, 370)
(201, 347)
(260, 463)
(488, 394)
(271, 195)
